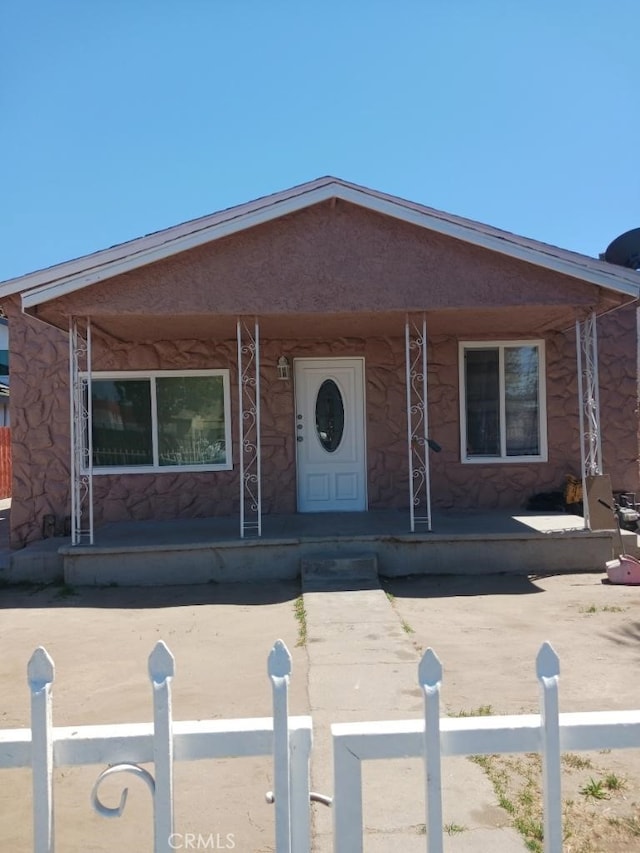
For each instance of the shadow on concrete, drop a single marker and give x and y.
(626, 635)
(36, 596)
(446, 586)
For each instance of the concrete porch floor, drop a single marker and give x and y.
(337, 524)
(211, 550)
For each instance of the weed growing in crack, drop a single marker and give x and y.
(480, 711)
(301, 618)
(453, 828)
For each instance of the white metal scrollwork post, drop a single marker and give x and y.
(589, 404)
(249, 428)
(417, 421)
(81, 432)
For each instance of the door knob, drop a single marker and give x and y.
(299, 438)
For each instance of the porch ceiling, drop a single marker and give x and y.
(513, 321)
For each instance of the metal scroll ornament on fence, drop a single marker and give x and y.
(117, 811)
(288, 741)
(161, 672)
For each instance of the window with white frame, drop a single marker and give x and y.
(502, 401)
(161, 421)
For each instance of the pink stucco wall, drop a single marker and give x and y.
(327, 259)
(40, 420)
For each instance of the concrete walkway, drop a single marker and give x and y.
(363, 666)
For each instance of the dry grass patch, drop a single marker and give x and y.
(599, 811)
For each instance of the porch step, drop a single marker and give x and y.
(328, 571)
(41, 562)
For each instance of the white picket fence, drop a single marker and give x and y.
(288, 739)
(125, 747)
(548, 733)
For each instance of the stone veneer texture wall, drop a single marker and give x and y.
(40, 423)
(618, 369)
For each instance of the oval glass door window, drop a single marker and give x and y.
(329, 415)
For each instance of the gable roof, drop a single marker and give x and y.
(61, 279)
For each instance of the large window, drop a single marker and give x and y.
(502, 408)
(161, 421)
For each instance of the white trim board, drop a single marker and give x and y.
(155, 467)
(503, 459)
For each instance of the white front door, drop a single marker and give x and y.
(330, 438)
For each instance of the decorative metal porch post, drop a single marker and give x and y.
(81, 432)
(417, 421)
(589, 404)
(249, 427)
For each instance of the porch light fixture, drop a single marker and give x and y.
(284, 371)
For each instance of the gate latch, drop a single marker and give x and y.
(314, 797)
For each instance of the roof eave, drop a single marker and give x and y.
(167, 237)
(38, 288)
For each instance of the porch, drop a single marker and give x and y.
(208, 550)
(188, 397)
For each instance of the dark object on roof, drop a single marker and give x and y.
(625, 250)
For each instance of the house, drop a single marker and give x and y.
(327, 349)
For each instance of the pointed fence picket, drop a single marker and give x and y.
(125, 747)
(430, 678)
(279, 672)
(288, 740)
(548, 671)
(40, 672)
(161, 670)
(548, 733)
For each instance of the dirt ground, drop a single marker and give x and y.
(100, 640)
(486, 631)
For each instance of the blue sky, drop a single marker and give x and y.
(122, 117)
